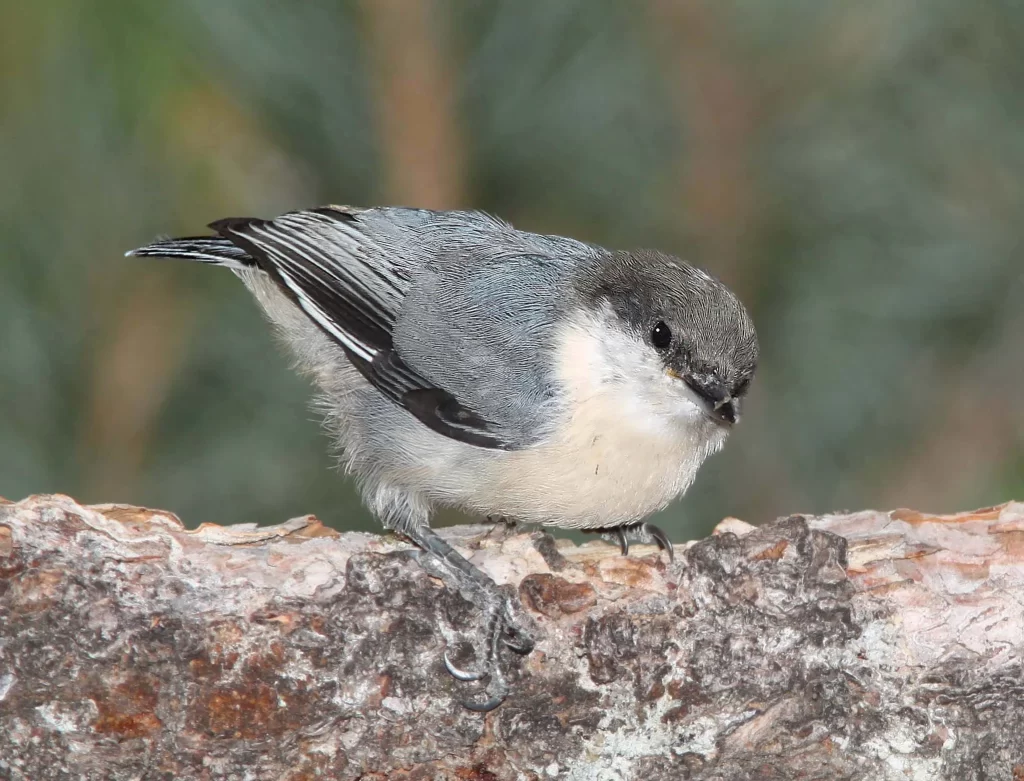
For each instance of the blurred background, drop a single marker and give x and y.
(854, 170)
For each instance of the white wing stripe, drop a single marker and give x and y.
(295, 242)
(367, 270)
(308, 305)
(363, 271)
(342, 276)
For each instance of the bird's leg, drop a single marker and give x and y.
(643, 531)
(443, 561)
(504, 526)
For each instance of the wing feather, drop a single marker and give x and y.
(336, 276)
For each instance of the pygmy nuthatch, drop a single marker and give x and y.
(466, 364)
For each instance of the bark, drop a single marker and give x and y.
(858, 646)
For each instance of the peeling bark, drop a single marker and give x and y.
(862, 646)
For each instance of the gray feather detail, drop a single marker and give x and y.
(502, 293)
(213, 250)
(272, 239)
(317, 258)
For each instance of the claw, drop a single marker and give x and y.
(458, 674)
(649, 529)
(498, 691)
(483, 707)
(620, 532)
(500, 629)
(661, 538)
(438, 558)
(503, 527)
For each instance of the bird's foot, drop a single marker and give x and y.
(500, 629)
(641, 532)
(504, 527)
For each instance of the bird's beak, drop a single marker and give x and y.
(718, 402)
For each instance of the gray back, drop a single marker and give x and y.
(479, 317)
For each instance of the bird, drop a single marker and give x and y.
(462, 363)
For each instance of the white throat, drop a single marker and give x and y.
(627, 441)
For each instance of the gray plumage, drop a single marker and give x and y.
(464, 363)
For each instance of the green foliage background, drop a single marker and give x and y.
(853, 169)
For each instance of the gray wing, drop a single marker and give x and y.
(350, 272)
(481, 316)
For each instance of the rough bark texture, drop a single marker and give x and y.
(862, 646)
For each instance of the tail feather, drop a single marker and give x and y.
(214, 250)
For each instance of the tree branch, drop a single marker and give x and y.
(862, 646)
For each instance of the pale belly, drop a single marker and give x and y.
(628, 448)
(592, 481)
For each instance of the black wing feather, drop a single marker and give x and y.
(214, 250)
(351, 314)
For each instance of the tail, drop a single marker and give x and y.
(215, 250)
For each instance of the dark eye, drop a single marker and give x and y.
(661, 335)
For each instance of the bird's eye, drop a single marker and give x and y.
(661, 335)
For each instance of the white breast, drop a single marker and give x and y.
(628, 441)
